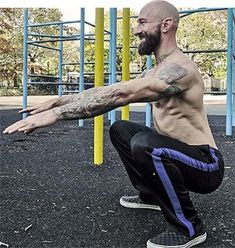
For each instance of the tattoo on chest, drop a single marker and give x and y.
(171, 73)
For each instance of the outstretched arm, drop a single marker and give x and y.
(87, 104)
(169, 81)
(52, 103)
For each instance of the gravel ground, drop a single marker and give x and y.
(53, 196)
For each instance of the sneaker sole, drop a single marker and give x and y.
(191, 243)
(139, 205)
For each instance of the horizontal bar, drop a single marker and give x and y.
(77, 63)
(53, 36)
(51, 48)
(93, 63)
(72, 63)
(43, 76)
(131, 73)
(215, 92)
(108, 73)
(90, 24)
(52, 23)
(49, 83)
(132, 47)
(89, 38)
(131, 17)
(52, 83)
(106, 31)
(71, 91)
(207, 51)
(55, 40)
(200, 10)
(57, 36)
(43, 35)
(184, 15)
(89, 34)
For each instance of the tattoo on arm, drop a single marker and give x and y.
(68, 99)
(90, 103)
(170, 74)
(169, 91)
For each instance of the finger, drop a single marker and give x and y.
(14, 127)
(26, 110)
(27, 128)
(36, 111)
(9, 128)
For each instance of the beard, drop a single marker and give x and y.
(152, 40)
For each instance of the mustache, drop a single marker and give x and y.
(143, 35)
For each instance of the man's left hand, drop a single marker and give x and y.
(33, 122)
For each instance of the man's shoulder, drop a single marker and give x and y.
(187, 63)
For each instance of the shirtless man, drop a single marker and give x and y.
(177, 156)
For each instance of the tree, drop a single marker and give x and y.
(201, 31)
(11, 42)
(205, 31)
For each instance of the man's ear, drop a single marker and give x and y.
(167, 25)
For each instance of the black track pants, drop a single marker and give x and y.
(164, 169)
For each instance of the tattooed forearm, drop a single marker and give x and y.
(171, 73)
(69, 99)
(91, 103)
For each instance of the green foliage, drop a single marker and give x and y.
(202, 31)
(205, 31)
(10, 48)
(11, 43)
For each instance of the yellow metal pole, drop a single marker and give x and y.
(126, 55)
(99, 80)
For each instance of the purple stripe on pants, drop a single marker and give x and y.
(157, 161)
(170, 153)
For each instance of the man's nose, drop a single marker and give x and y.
(137, 30)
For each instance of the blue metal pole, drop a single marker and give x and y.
(60, 62)
(25, 61)
(233, 72)
(110, 55)
(229, 74)
(82, 55)
(113, 31)
(148, 114)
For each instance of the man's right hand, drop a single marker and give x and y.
(40, 107)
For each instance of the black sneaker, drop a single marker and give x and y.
(136, 202)
(173, 239)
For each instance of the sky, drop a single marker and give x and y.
(112, 3)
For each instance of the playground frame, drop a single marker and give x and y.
(99, 38)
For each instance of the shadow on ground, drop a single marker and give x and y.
(53, 196)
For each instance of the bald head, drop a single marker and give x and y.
(159, 10)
